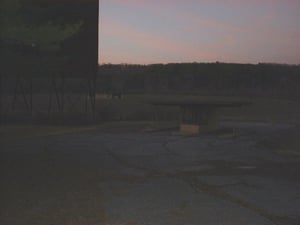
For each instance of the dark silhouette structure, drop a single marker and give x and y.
(64, 76)
(198, 115)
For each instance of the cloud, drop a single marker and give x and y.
(244, 31)
(196, 20)
(149, 42)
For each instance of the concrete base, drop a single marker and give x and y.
(189, 129)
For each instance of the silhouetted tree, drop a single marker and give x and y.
(17, 30)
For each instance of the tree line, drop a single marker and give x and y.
(210, 78)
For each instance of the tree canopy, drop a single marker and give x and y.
(18, 30)
(30, 45)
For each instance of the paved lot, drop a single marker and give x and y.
(114, 178)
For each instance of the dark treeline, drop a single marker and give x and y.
(203, 78)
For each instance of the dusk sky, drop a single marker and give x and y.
(165, 31)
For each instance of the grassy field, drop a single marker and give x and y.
(266, 110)
(133, 113)
(135, 107)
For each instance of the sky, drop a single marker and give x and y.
(174, 31)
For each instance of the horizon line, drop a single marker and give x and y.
(208, 62)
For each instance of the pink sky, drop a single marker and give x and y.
(163, 31)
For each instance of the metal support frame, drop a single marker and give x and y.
(60, 95)
(23, 91)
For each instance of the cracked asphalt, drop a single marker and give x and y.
(151, 178)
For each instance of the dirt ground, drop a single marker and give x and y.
(134, 173)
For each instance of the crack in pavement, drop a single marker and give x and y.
(211, 190)
(217, 191)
